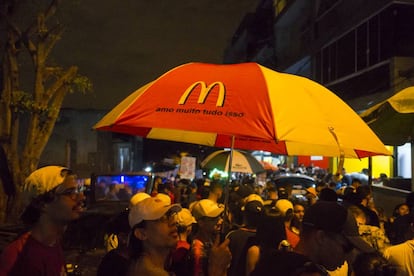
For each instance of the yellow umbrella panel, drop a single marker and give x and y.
(260, 108)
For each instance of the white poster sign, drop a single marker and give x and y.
(187, 167)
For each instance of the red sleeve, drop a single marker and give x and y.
(10, 254)
(197, 254)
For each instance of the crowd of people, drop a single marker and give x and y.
(183, 228)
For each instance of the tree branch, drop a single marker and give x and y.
(50, 11)
(53, 37)
(64, 79)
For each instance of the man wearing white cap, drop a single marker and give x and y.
(57, 201)
(154, 234)
(209, 219)
(239, 239)
(180, 260)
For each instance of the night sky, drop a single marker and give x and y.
(120, 47)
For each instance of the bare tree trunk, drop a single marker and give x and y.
(41, 105)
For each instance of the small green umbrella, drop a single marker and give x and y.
(243, 162)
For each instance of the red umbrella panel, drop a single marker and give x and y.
(262, 109)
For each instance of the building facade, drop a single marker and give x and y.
(362, 50)
(75, 144)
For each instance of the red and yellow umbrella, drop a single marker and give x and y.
(261, 109)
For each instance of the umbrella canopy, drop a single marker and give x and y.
(393, 119)
(242, 162)
(261, 109)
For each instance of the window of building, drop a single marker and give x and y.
(373, 40)
(362, 47)
(390, 33)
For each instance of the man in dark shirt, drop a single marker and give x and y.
(328, 238)
(252, 212)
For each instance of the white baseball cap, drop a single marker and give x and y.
(45, 179)
(185, 218)
(206, 208)
(164, 197)
(254, 197)
(283, 205)
(253, 203)
(151, 208)
(138, 197)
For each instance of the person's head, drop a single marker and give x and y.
(319, 186)
(185, 221)
(404, 228)
(216, 191)
(299, 211)
(401, 210)
(153, 225)
(58, 197)
(253, 210)
(372, 264)
(356, 183)
(329, 233)
(137, 198)
(209, 216)
(259, 187)
(358, 214)
(285, 207)
(311, 195)
(327, 194)
(282, 193)
(364, 194)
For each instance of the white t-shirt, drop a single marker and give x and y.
(402, 256)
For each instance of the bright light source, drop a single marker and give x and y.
(215, 172)
(148, 169)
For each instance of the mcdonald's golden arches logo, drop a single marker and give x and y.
(204, 92)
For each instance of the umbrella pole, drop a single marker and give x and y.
(341, 151)
(412, 165)
(370, 171)
(227, 188)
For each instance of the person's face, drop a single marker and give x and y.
(68, 202)
(160, 233)
(211, 226)
(299, 212)
(403, 210)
